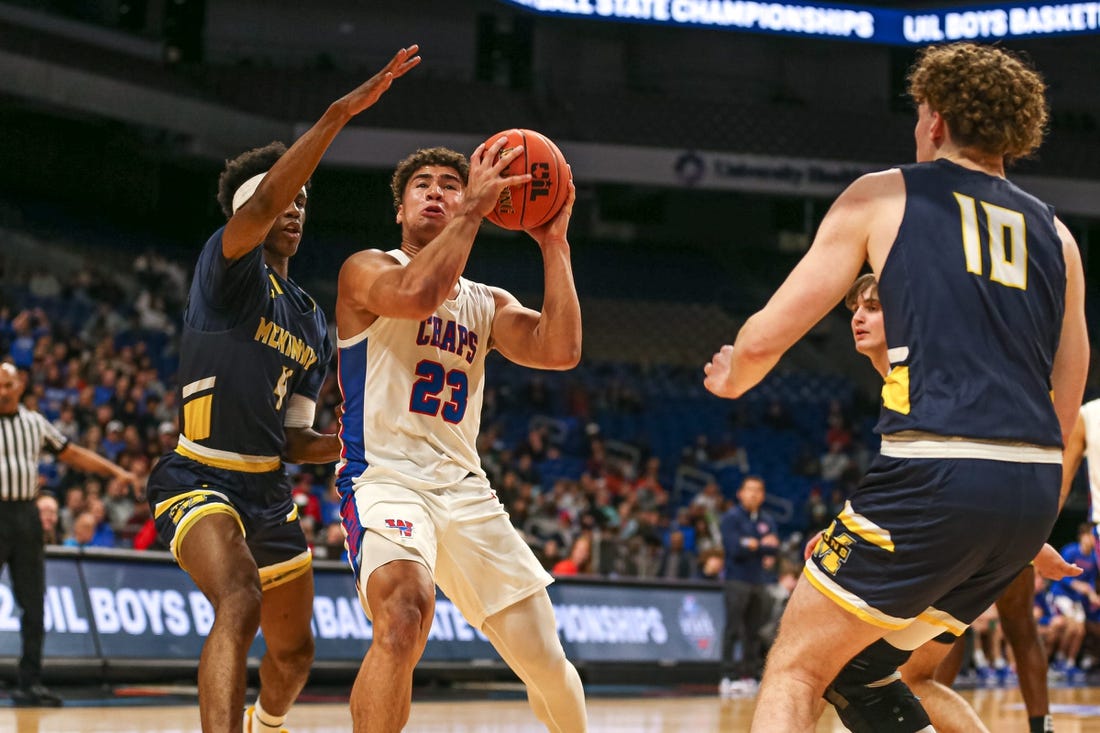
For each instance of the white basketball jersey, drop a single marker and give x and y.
(1090, 412)
(413, 391)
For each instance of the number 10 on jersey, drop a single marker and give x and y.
(1007, 242)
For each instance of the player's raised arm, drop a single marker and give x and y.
(550, 339)
(267, 197)
(812, 289)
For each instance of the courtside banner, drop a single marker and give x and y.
(69, 629)
(116, 606)
(991, 22)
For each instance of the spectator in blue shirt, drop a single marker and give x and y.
(750, 539)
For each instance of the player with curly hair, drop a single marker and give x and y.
(987, 353)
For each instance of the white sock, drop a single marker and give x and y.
(265, 722)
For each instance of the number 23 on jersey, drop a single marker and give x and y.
(428, 396)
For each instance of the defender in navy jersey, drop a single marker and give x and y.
(253, 356)
(987, 351)
(933, 667)
(416, 503)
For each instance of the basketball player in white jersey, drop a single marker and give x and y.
(1084, 442)
(417, 506)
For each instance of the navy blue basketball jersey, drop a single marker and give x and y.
(972, 293)
(250, 340)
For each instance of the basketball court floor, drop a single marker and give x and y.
(1076, 710)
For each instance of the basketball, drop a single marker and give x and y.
(536, 202)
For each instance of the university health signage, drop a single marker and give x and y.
(117, 608)
(843, 22)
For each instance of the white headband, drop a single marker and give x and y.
(246, 189)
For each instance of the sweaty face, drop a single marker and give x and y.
(432, 198)
(867, 326)
(286, 233)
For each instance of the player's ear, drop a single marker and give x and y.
(938, 129)
(400, 218)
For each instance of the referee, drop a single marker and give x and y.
(24, 434)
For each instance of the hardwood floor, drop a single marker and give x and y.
(1076, 710)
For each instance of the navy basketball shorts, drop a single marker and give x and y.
(182, 491)
(934, 540)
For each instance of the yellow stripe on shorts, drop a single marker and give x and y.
(865, 528)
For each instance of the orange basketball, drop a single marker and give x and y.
(536, 202)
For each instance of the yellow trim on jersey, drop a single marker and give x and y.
(865, 528)
(275, 575)
(226, 459)
(196, 417)
(275, 282)
(843, 599)
(895, 390)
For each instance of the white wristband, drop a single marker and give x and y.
(300, 412)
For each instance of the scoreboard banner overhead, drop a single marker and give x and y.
(889, 26)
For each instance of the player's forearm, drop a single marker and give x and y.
(294, 168)
(249, 225)
(1071, 458)
(559, 332)
(88, 461)
(754, 355)
(431, 276)
(308, 446)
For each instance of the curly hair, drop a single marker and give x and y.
(991, 100)
(425, 156)
(244, 166)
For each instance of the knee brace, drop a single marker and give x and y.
(870, 697)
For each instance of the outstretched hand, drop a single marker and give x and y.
(372, 89)
(718, 373)
(485, 182)
(556, 229)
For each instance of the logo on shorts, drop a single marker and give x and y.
(181, 507)
(833, 550)
(406, 528)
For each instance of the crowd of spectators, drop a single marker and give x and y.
(99, 349)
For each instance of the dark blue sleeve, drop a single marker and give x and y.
(224, 292)
(732, 531)
(314, 379)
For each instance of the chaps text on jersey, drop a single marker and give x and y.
(449, 336)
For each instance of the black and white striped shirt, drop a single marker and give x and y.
(23, 437)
